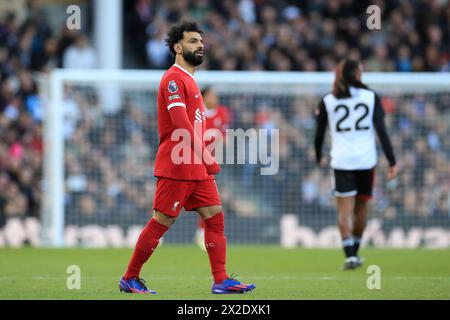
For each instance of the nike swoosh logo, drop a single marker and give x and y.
(197, 95)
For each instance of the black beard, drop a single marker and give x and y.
(192, 58)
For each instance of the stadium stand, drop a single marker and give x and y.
(297, 35)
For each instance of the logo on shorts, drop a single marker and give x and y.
(172, 87)
(175, 205)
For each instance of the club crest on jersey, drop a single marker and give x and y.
(199, 115)
(172, 87)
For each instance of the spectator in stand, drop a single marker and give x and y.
(80, 55)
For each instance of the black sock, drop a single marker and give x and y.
(348, 246)
(356, 245)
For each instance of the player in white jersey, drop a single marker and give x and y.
(353, 114)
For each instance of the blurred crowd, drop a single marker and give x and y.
(109, 155)
(418, 125)
(285, 35)
(26, 48)
(109, 172)
(21, 145)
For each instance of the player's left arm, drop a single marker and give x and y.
(174, 97)
(180, 120)
(380, 127)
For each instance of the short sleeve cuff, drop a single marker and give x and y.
(176, 104)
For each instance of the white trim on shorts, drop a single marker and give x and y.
(345, 194)
(337, 193)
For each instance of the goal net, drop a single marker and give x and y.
(101, 140)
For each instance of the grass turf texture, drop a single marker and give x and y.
(182, 273)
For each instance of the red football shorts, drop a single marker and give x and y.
(172, 195)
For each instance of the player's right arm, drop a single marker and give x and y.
(174, 94)
(321, 126)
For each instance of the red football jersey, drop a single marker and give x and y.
(216, 119)
(178, 89)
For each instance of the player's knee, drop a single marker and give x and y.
(209, 212)
(216, 210)
(163, 218)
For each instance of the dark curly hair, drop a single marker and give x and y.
(176, 31)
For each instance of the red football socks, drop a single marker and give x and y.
(146, 244)
(216, 246)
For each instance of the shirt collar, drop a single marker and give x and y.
(183, 69)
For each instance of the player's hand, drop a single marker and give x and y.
(213, 168)
(392, 172)
(323, 162)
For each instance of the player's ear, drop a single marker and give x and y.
(177, 48)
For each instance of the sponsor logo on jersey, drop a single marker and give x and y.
(174, 96)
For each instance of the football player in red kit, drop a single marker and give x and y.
(189, 184)
(217, 121)
(217, 115)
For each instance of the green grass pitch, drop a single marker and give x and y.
(182, 273)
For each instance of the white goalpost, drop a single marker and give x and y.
(100, 140)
